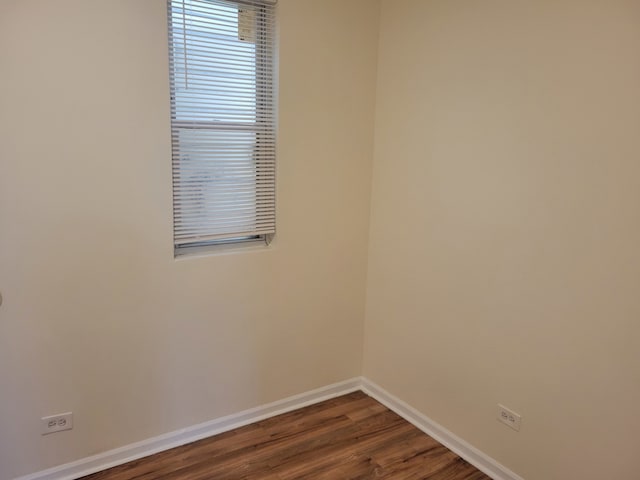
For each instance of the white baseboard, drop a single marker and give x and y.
(134, 451)
(475, 457)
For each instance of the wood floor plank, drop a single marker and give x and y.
(350, 437)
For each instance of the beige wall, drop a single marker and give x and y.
(504, 255)
(98, 318)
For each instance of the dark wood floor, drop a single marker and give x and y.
(349, 437)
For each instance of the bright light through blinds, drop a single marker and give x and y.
(223, 120)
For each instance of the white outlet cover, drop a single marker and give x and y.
(56, 423)
(509, 417)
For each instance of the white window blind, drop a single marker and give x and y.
(222, 120)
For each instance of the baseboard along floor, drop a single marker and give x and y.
(351, 429)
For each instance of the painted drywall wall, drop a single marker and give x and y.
(504, 261)
(98, 318)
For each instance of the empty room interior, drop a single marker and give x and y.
(454, 228)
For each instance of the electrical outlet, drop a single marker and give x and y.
(57, 423)
(509, 417)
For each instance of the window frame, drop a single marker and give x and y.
(263, 126)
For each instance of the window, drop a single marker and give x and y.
(222, 121)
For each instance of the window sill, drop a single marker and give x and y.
(189, 253)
